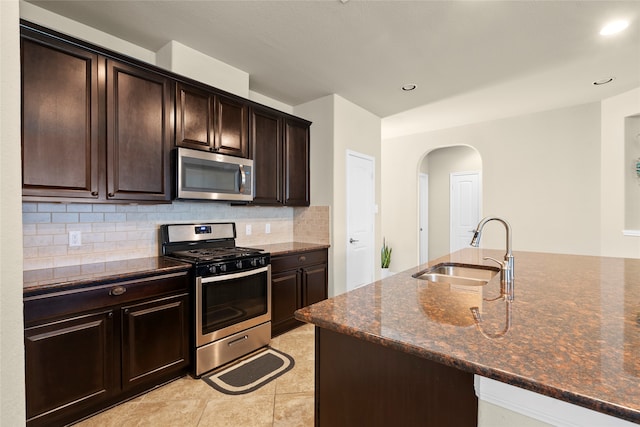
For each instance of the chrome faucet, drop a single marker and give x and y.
(506, 266)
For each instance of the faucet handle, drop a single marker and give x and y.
(500, 263)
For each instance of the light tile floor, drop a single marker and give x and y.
(187, 402)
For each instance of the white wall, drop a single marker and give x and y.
(541, 172)
(321, 113)
(191, 63)
(338, 126)
(358, 130)
(12, 391)
(270, 102)
(67, 26)
(612, 207)
(631, 178)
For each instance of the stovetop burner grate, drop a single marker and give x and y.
(205, 244)
(216, 254)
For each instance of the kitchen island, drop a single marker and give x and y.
(572, 333)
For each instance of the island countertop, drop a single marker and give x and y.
(573, 331)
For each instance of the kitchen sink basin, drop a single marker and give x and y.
(458, 274)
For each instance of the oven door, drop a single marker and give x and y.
(230, 303)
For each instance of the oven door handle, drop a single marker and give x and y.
(238, 275)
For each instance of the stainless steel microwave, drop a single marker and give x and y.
(210, 176)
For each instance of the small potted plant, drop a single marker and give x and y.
(385, 259)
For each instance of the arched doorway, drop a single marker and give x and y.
(440, 165)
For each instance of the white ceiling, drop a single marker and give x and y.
(471, 60)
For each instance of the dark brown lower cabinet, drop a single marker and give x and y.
(297, 280)
(153, 339)
(359, 383)
(122, 340)
(69, 363)
(285, 300)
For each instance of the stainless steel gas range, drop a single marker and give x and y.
(231, 288)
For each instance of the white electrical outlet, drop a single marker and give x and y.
(267, 228)
(75, 238)
(248, 230)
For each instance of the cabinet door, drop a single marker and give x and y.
(155, 340)
(285, 299)
(139, 132)
(59, 119)
(314, 284)
(231, 127)
(266, 143)
(69, 367)
(296, 163)
(194, 118)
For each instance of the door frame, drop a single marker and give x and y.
(372, 246)
(452, 198)
(423, 217)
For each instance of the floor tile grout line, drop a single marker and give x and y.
(202, 413)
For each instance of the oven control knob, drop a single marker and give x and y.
(254, 262)
(239, 264)
(223, 267)
(213, 269)
(263, 261)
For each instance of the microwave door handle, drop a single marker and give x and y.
(242, 179)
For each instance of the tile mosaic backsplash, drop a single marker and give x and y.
(313, 224)
(119, 232)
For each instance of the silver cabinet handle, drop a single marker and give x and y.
(117, 291)
(351, 240)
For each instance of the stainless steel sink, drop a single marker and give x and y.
(458, 274)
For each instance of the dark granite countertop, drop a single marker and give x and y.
(286, 248)
(574, 334)
(77, 276)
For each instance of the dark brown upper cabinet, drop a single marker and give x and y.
(280, 149)
(100, 127)
(139, 133)
(194, 117)
(94, 129)
(206, 120)
(266, 137)
(60, 133)
(280, 145)
(296, 162)
(231, 127)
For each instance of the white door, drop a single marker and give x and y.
(360, 219)
(465, 208)
(424, 217)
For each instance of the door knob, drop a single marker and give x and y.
(353, 240)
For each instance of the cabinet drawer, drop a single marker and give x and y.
(51, 305)
(298, 260)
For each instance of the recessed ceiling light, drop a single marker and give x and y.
(409, 87)
(603, 81)
(614, 27)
